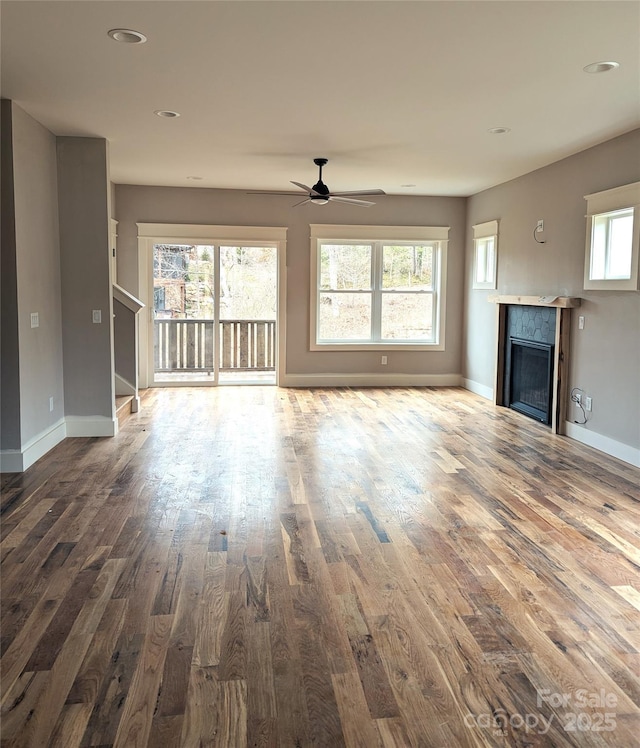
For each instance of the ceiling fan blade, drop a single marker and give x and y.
(304, 187)
(350, 201)
(308, 200)
(271, 192)
(359, 192)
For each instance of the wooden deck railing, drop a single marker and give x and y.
(188, 345)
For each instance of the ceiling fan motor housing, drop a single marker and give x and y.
(320, 187)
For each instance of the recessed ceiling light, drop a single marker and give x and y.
(166, 113)
(601, 67)
(196, 179)
(127, 36)
(499, 130)
(407, 185)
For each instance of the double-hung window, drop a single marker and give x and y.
(374, 287)
(613, 232)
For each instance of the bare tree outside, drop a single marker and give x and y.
(184, 282)
(248, 283)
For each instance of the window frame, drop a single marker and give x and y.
(608, 202)
(481, 232)
(380, 235)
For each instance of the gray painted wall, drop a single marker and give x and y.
(37, 276)
(233, 207)
(37, 240)
(605, 356)
(9, 350)
(84, 209)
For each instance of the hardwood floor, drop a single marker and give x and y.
(266, 567)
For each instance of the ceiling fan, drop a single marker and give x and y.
(320, 194)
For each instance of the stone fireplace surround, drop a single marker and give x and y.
(560, 336)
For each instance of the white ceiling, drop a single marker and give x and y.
(393, 93)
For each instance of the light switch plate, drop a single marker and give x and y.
(97, 316)
(35, 319)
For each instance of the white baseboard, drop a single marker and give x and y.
(91, 426)
(604, 444)
(370, 380)
(18, 460)
(479, 389)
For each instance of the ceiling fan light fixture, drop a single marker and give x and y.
(127, 36)
(601, 67)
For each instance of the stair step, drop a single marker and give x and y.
(123, 407)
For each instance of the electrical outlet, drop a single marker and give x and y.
(587, 403)
(383, 360)
(578, 399)
(581, 322)
(50, 405)
(96, 316)
(540, 225)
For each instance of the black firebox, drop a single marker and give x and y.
(529, 360)
(530, 390)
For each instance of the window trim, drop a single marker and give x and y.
(486, 230)
(402, 234)
(608, 201)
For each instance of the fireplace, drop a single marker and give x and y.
(529, 347)
(530, 378)
(532, 356)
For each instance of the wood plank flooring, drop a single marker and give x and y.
(365, 568)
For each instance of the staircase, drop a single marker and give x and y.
(123, 408)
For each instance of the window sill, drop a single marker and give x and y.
(611, 285)
(386, 346)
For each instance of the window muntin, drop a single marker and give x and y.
(377, 293)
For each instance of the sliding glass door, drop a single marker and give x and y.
(214, 313)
